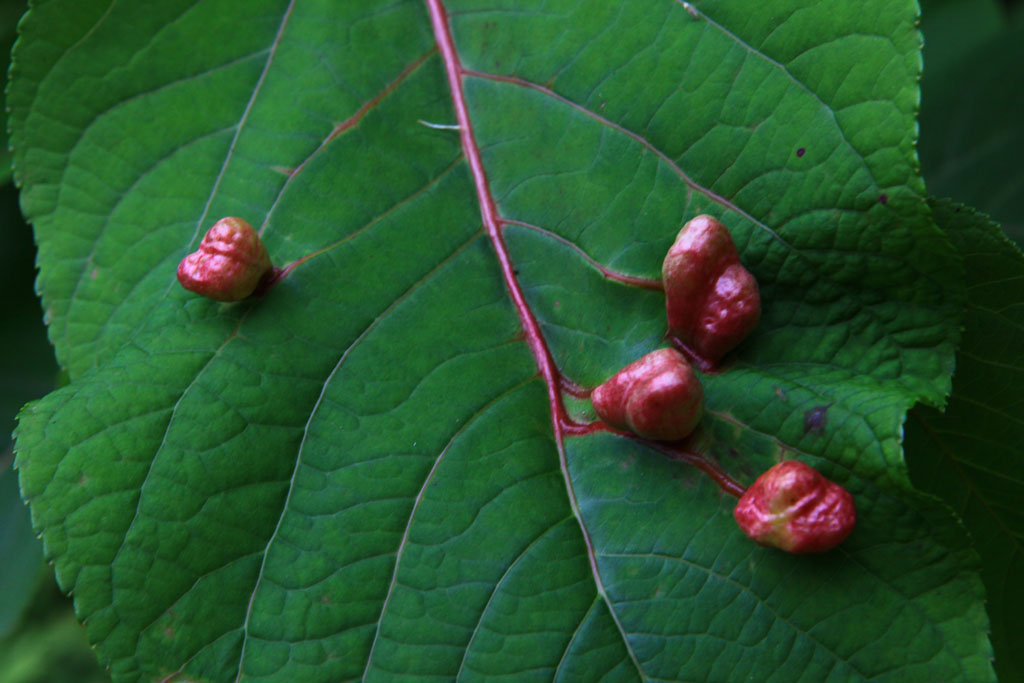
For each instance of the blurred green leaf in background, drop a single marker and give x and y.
(971, 149)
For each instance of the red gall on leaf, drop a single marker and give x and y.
(712, 301)
(656, 397)
(794, 508)
(229, 264)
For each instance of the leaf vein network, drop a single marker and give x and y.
(462, 429)
(498, 584)
(306, 432)
(785, 71)
(743, 588)
(687, 180)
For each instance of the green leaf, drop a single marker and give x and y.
(970, 454)
(26, 372)
(21, 550)
(369, 472)
(10, 10)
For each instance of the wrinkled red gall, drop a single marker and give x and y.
(712, 301)
(229, 264)
(657, 397)
(794, 508)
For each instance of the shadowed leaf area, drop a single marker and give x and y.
(371, 472)
(970, 455)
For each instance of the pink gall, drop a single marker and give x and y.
(229, 264)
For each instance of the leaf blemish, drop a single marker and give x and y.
(883, 198)
(816, 419)
(800, 151)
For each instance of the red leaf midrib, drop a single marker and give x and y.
(561, 422)
(555, 381)
(532, 334)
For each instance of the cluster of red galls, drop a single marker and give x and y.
(713, 303)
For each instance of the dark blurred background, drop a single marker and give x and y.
(971, 145)
(972, 106)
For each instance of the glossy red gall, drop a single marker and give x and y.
(229, 264)
(713, 302)
(657, 397)
(793, 507)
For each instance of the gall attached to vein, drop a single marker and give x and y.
(713, 302)
(793, 507)
(229, 264)
(656, 397)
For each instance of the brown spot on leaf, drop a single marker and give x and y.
(816, 419)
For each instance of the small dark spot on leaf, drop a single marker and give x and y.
(816, 419)
(800, 152)
(515, 271)
(884, 198)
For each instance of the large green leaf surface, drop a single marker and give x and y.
(363, 474)
(970, 454)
